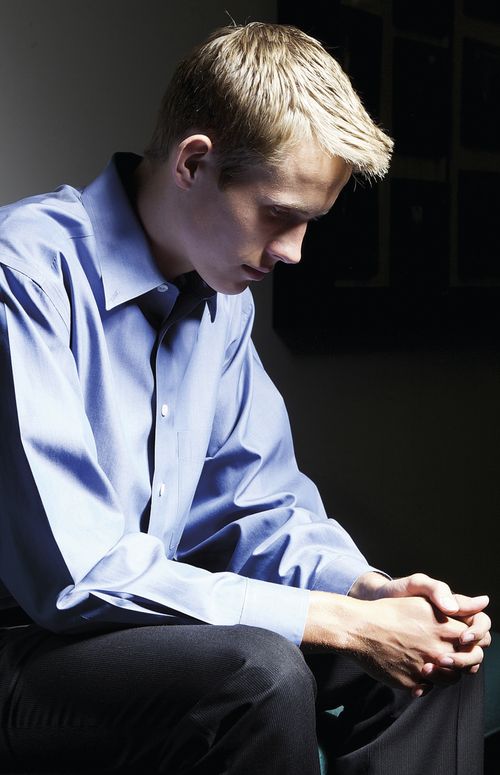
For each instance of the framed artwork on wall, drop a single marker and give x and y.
(414, 258)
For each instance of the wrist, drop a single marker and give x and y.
(331, 621)
(368, 586)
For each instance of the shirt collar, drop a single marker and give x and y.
(128, 269)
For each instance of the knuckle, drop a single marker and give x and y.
(475, 657)
(455, 628)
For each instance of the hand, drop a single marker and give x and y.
(466, 609)
(391, 638)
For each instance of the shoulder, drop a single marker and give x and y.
(40, 239)
(34, 231)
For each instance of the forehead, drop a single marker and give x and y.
(306, 179)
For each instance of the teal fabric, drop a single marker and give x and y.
(326, 732)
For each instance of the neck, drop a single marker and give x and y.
(158, 210)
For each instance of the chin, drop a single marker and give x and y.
(230, 289)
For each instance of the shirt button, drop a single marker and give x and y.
(161, 489)
(162, 288)
(164, 410)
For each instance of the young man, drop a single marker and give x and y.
(155, 531)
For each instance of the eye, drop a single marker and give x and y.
(278, 212)
(285, 215)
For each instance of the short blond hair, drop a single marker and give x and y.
(258, 89)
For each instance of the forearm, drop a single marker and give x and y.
(330, 622)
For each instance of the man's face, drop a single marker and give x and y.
(236, 235)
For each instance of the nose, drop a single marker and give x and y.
(288, 247)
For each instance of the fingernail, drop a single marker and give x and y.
(427, 669)
(467, 637)
(446, 661)
(418, 692)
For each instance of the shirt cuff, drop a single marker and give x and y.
(276, 607)
(340, 574)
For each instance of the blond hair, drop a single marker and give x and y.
(258, 89)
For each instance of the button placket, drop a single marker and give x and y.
(164, 495)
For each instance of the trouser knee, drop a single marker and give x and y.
(261, 709)
(275, 669)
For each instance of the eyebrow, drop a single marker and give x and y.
(296, 207)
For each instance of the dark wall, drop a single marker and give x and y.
(386, 342)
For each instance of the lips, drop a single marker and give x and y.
(256, 273)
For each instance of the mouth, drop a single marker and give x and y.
(256, 273)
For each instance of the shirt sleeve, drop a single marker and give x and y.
(254, 512)
(65, 555)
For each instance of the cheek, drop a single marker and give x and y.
(248, 234)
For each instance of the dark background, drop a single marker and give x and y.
(394, 312)
(413, 260)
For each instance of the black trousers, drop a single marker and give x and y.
(208, 700)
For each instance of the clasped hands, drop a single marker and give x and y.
(458, 635)
(409, 633)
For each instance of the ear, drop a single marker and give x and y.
(191, 152)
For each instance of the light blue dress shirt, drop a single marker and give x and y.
(147, 471)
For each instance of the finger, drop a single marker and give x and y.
(468, 620)
(420, 689)
(467, 606)
(478, 630)
(437, 592)
(486, 641)
(459, 660)
(472, 669)
(483, 642)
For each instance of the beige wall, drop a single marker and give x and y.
(80, 79)
(404, 446)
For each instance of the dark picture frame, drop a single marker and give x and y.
(413, 259)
